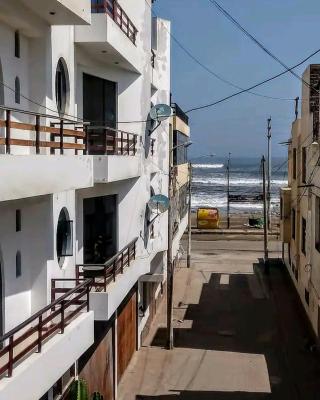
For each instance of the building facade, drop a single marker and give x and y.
(300, 201)
(83, 260)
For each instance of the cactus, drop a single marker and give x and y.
(97, 396)
(79, 390)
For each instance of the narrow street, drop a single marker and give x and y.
(239, 334)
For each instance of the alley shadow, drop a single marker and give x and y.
(257, 313)
(200, 395)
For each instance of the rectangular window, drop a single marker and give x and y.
(17, 44)
(304, 164)
(294, 164)
(18, 265)
(18, 220)
(317, 223)
(180, 153)
(293, 223)
(303, 235)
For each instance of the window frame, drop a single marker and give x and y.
(61, 86)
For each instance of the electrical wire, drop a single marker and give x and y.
(253, 86)
(257, 42)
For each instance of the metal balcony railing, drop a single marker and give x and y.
(37, 134)
(116, 12)
(104, 274)
(102, 140)
(29, 337)
(177, 111)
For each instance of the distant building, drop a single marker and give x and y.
(82, 261)
(300, 201)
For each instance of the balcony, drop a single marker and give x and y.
(42, 340)
(111, 280)
(111, 37)
(31, 16)
(36, 149)
(121, 149)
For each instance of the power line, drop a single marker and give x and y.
(253, 86)
(218, 76)
(257, 42)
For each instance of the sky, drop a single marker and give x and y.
(288, 28)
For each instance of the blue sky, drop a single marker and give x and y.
(289, 28)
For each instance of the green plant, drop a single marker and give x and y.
(97, 396)
(79, 390)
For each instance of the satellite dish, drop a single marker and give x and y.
(158, 203)
(160, 112)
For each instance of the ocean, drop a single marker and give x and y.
(209, 183)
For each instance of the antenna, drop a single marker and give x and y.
(159, 113)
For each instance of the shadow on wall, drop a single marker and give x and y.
(200, 395)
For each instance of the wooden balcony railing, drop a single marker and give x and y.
(28, 337)
(56, 136)
(104, 274)
(116, 12)
(102, 140)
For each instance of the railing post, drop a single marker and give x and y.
(61, 136)
(10, 363)
(88, 297)
(76, 142)
(86, 140)
(135, 145)
(52, 139)
(8, 131)
(134, 251)
(128, 144)
(122, 262)
(62, 316)
(40, 334)
(37, 134)
(128, 256)
(114, 271)
(53, 286)
(121, 139)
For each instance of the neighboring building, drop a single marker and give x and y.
(179, 139)
(300, 201)
(73, 196)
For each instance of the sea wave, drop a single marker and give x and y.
(208, 166)
(236, 182)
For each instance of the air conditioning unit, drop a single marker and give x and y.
(285, 216)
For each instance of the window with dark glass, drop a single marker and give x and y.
(17, 44)
(17, 90)
(293, 223)
(180, 152)
(61, 87)
(18, 220)
(294, 164)
(18, 264)
(303, 235)
(64, 235)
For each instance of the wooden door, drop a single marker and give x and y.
(126, 333)
(98, 368)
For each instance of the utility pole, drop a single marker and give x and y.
(265, 217)
(296, 107)
(228, 192)
(170, 264)
(189, 216)
(269, 172)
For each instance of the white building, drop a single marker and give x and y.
(73, 194)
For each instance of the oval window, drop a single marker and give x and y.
(64, 236)
(61, 86)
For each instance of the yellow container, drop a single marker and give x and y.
(208, 218)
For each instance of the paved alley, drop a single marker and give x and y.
(238, 333)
